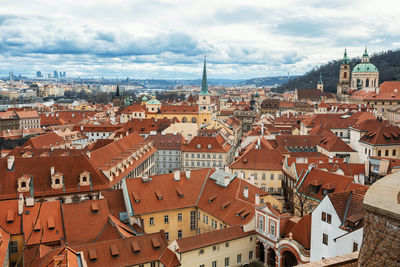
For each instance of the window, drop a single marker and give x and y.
(214, 264)
(193, 220)
(201, 251)
(152, 264)
(166, 219)
(386, 152)
(263, 176)
(214, 248)
(239, 258)
(152, 221)
(325, 239)
(227, 244)
(13, 247)
(250, 255)
(329, 218)
(394, 152)
(201, 265)
(179, 217)
(355, 246)
(379, 153)
(272, 228)
(227, 261)
(167, 235)
(179, 233)
(323, 216)
(272, 176)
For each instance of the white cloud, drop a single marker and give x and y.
(167, 38)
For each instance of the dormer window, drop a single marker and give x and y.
(84, 178)
(209, 146)
(57, 180)
(23, 183)
(198, 146)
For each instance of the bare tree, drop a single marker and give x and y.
(301, 201)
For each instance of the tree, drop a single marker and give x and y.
(302, 203)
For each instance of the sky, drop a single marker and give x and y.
(167, 39)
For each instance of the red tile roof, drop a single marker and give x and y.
(333, 143)
(211, 238)
(171, 193)
(384, 135)
(46, 141)
(76, 217)
(167, 141)
(259, 159)
(341, 183)
(40, 231)
(206, 144)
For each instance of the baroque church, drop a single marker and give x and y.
(364, 76)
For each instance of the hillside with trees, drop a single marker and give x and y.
(388, 64)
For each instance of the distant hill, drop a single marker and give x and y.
(267, 81)
(388, 64)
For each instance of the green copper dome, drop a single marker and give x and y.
(154, 102)
(144, 98)
(365, 67)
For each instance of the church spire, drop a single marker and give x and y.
(320, 79)
(204, 86)
(345, 59)
(117, 93)
(365, 56)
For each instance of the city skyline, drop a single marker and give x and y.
(167, 39)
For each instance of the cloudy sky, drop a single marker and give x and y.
(168, 38)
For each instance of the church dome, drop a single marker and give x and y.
(365, 67)
(144, 99)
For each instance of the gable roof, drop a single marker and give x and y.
(211, 238)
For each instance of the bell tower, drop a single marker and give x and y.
(204, 99)
(344, 75)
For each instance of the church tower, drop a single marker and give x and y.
(204, 99)
(320, 85)
(344, 76)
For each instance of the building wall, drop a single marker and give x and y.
(196, 160)
(167, 161)
(241, 246)
(172, 226)
(14, 257)
(381, 240)
(270, 181)
(207, 222)
(320, 250)
(29, 123)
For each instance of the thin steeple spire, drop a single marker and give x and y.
(204, 86)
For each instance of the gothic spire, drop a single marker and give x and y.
(204, 86)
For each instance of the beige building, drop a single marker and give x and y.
(204, 151)
(225, 247)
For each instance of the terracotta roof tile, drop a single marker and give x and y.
(211, 238)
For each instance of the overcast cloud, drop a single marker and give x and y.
(168, 38)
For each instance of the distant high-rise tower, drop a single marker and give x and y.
(38, 74)
(64, 75)
(11, 76)
(344, 76)
(55, 74)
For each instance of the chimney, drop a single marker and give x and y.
(20, 204)
(258, 143)
(187, 173)
(257, 199)
(246, 192)
(10, 162)
(177, 175)
(52, 170)
(330, 159)
(145, 178)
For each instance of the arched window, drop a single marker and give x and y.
(367, 83)
(194, 120)
(345, 75)
(184, 119)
